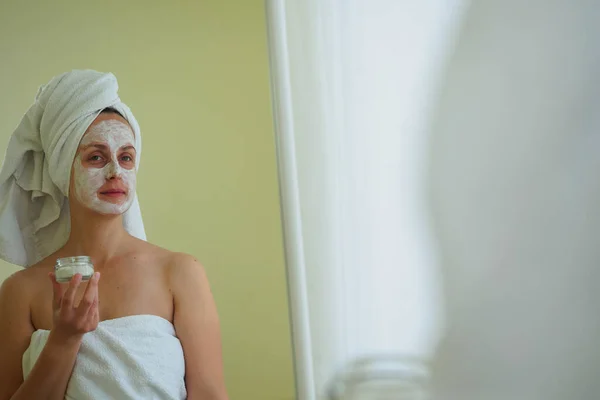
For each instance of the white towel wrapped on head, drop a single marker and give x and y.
(35, 174)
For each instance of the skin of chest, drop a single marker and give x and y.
(128, 286)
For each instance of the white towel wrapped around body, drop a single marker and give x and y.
(135, 357)
(35, 174)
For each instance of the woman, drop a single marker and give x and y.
(141, 297)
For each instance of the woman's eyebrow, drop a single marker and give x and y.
(100, 146)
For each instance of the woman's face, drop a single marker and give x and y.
(104, 175)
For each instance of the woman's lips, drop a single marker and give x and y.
(113, 193)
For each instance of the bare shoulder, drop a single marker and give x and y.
(179, 266)
(11, 285)
(16, 294)
(186, 275)
(16, 327)
(184, 266)
(184, 261)
(150, 252)
(23, 283)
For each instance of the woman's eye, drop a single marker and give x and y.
(95, 158)
(127, 158)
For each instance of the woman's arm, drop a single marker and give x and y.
(51, 373)
(197, 326)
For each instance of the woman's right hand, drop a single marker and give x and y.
(72, 321)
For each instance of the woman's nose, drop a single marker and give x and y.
(114, 170)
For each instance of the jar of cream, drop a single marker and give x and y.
(390, 377)
(67, 267)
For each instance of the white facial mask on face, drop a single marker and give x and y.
(88, 180)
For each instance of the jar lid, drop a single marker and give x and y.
(74, 260)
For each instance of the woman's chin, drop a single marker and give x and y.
(114, 207)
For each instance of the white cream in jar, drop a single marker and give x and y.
(67, 267)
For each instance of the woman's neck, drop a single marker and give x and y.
(97, 236)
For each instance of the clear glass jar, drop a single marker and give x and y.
(381, 378)
(67, 267)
